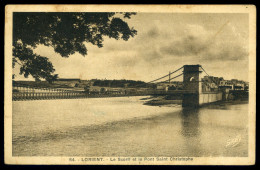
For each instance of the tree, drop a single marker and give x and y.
(87, 89)
(66, 33)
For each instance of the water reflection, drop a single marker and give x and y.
(190, 122)
(190, 130)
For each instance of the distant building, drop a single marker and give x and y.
(233, 84)
(68, 82)
(176, 85)
(210, 83)
(239, 86)
(226, 85)
(211, 79)
(84, 83)
(234, 81)
(74, 82)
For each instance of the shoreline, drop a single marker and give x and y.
(162, 100)
(159, 101)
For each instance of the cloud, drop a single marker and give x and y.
(186, 46)
(153, 33)
(226, 52)
(164, 43)
(208, 45)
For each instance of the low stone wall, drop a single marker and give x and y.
(196, 99)
(210, 97)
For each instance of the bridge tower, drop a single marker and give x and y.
(191, 84)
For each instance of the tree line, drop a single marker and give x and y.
(121, 83)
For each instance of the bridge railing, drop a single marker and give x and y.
(29, 93)
(165, 92)
(34, 93)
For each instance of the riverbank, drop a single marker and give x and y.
(163, 100)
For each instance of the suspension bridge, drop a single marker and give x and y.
(192, 92)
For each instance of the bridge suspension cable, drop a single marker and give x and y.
(204, 70)
(208, 75)
(171, 78)
(165, 75)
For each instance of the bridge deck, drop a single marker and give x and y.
(171, 92)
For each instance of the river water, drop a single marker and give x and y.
(123, 126)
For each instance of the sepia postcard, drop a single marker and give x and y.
(130, 84)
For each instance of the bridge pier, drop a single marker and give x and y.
(192, 82)
(190, 100)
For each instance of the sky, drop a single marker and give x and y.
(164, 42)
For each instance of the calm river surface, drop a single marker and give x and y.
(123, 126)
